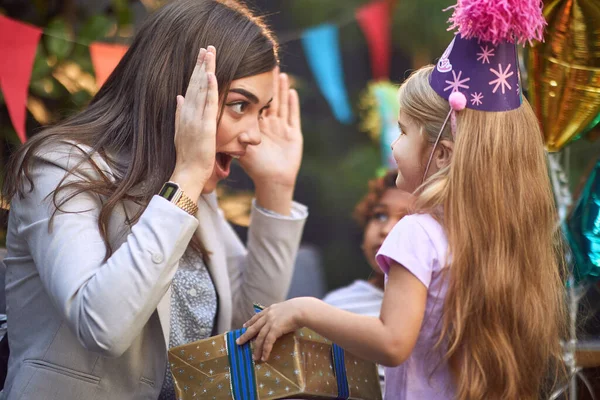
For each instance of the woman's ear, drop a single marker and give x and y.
(443, 154)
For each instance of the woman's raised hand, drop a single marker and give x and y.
(274, 164)
(196, 126)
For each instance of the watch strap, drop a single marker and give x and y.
(187, 204)
(173, 193)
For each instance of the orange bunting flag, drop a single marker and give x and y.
(105, 58)
(18, 44)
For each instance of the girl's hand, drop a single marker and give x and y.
(196, 127)
(272, 323)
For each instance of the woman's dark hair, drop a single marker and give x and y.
(363, 211)
(133, 114)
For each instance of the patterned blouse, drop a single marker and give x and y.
(193, 308)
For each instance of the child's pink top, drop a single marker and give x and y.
(418, 243)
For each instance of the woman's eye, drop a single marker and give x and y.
(238, 108)
(263, 111)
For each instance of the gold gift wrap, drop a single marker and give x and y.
(301, 366)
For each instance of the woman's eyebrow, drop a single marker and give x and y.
(249, 95)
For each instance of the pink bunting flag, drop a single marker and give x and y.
(18, 44)
(374, 20)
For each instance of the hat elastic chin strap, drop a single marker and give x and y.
(437, 140)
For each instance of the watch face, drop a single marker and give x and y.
(168, 191)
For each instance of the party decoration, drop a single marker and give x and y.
(560, 183)
(564, 71)
(379, 117)
(321, 45)
(303, 365)
(374, 20)
(591, 127)
(105, 58)
(481, 61)
(18, 44)
(583, 230)
(498, 21)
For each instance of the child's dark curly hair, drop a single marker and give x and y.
(363, 211)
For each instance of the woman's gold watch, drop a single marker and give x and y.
(173, 193)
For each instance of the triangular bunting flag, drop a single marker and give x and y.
(321, 46)
(105, 57)
(18, 44)
(374, 20)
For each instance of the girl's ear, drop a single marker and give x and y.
(443, 154)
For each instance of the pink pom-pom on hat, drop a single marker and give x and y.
(458, 101)
(495, 21)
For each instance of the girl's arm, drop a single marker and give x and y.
(387, 340)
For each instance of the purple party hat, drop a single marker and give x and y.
(481, 61)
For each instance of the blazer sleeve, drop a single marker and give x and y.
(262, 271)
(105, 303)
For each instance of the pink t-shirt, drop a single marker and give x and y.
(418, 243)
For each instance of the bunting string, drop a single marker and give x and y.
(18, 47)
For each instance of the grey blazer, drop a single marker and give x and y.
(84, 328)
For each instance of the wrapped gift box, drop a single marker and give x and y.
(302, 365)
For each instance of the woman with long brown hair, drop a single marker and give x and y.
(117, 249)
(474, 304)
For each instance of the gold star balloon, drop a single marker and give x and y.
(564, 71)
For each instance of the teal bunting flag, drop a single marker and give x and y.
(321, 46)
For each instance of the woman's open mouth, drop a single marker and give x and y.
(223, 164)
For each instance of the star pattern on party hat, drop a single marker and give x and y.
(484, 69)
(476, 98)
(485, 54)
(481, 61)
(502, 78)
(456, 83)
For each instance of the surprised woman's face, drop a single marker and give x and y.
(245, 102)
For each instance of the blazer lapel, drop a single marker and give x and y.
(209, 233)
(164, 315)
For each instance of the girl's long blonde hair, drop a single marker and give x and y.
(504, 311)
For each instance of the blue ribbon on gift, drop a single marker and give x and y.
(339, 369)
(243, 380)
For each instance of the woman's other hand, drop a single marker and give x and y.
(274, 164)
